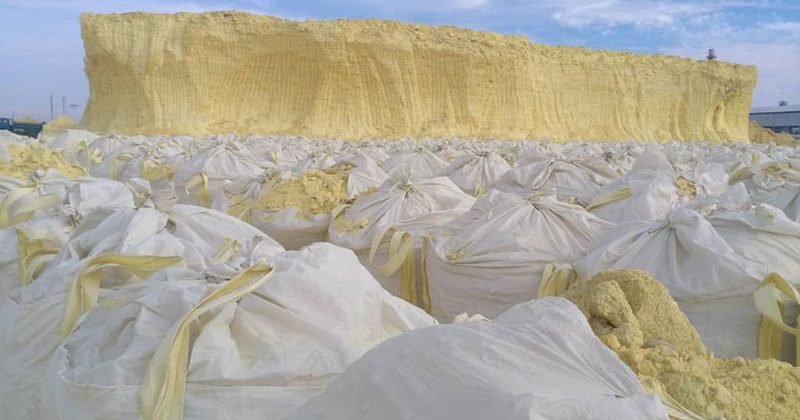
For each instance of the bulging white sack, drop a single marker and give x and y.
(538, 360)
(267, 340)
(712, 283)
(496, 257)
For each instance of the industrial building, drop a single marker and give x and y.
(780, 119)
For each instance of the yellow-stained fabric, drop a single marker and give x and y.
(352, 79)
(85, 289)
(768, 301)
(163, 391)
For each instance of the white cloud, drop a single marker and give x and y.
(616, 12)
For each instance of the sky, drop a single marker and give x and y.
(42, 52)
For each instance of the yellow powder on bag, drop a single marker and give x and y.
(154, 170)
(686, 188)
(634, 315)
(344, 224)
(59, 123)
(759, 134)
(315, 191)
(24, 161)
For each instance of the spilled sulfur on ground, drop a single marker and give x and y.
(635, 316)
(234, 72)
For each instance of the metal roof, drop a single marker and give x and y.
(775, 109)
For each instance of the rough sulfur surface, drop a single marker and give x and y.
(235, 72)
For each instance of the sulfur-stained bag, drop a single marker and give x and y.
(647, 192)
(497, 256)
(297, 211)
(712, 283)
(385, 229)
(201, 176)
(254, 347)
(538, 360)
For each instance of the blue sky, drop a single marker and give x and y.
(42, 51)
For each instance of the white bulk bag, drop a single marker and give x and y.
(255, 347)
(197, 179)
(385, 228)
(762, 234)
(497, 256)
(477, 172)
(106, 252)
(414, 165)
(538, 360)
(647, 192)
(573, 181)
(711, 282)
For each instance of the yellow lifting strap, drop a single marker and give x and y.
(20, 204)
(116, 162)
(609, 198)
(227, 250)
(163, 392)
(93, 156)
(85, 289)
(401, 255)
(426, 290)
(556, 279)
(200, 180)
(34, 250)
(768, 300)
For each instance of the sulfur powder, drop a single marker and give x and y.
(59, 123)
(634, 315)
(315, 191)
(24, 161)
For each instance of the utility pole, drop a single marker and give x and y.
(63, 105)
(51, 107)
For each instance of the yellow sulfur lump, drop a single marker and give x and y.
(315, 191)
(635, 316)
(24, 161)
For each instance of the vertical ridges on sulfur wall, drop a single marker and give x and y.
(226, 72)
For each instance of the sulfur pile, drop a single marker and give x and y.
(356, 79)
(759, 134)
(59, 123)
(314, 191)
(634, 315)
